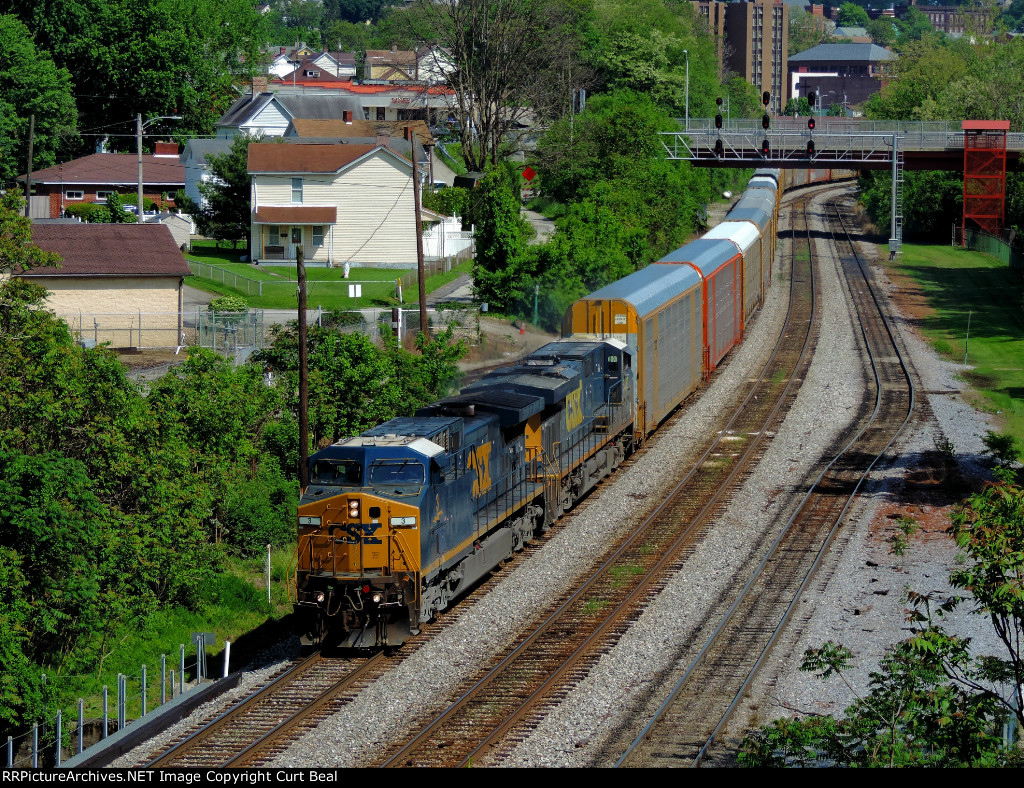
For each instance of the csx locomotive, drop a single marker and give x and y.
(399, 521)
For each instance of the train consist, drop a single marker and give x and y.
(399, 521)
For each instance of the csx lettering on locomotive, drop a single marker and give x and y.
(501, 461)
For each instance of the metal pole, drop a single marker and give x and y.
(172, 682)
(81, 725)
(10, 752)
(163, 680)
(106, 711)
(35, 745)
(122, 700)
(28, 169)
(892, 203)
(967, 341)
(686, 54)
(227, 657)
(138, 148)
(268, 574)
(143, 714)
(181, 673)
(300, 265)
(536, 294)
(60, 735)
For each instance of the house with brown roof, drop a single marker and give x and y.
(118, 283)
(343, 203)
(92, 178)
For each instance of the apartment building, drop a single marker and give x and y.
(753, 42)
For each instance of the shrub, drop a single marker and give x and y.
(228, 304)
(449, 202)
(88, 212)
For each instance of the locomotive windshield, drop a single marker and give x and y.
(347, 473)
(397, 475)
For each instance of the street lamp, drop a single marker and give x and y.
(139, 126)
(686, 54)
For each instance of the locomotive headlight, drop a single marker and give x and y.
(319, 596)
(376, 598)
(353, 508)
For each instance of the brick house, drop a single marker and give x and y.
(92, 178)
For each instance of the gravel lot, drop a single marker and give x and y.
(846, 603)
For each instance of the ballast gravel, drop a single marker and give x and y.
(844, 605)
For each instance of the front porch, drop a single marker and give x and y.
(278, 232)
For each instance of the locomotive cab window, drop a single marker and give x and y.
(613, 365)
(346, 473)
(397, 476)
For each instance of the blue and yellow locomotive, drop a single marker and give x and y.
(400, 520)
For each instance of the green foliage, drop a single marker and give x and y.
(499, 271)
(116, 210)
(1005, 449)
(882, 31)
(16, 249)
(932, 201)
(806, 30)
(624, 204)
(227, 215)
(353, 383)
(449, 202)
(797, 106)
(88, 212)
(186, 58)
(852, 15)
(912, 715)
(228, 304)
(31, 84)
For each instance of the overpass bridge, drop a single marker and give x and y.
(983, 149)
(840, 143)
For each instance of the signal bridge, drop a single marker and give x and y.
(839, 143)
(984, 150)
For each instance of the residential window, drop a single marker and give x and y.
(296, 189)
(102, 196)
(318, 235)
(74, 195)
(380, 113)
(273, 234)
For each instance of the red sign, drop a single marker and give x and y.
(529, 174)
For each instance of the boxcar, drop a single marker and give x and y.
(657, 312)
(747, 237)
(720, 267)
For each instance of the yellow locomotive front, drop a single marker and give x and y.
(358, 554)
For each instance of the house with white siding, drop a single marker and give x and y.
(344, 203)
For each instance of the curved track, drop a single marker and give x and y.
(704, 698)
(507, 699)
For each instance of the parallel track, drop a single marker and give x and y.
(252, 731)
(702, 701)
(500, 705)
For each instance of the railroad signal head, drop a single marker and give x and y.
(766, 98)
(718, 101)
(810, 148)
(719, 148)
(718, 121)
(765, 121)
(764, 147)
(810, 123)
(811, 98)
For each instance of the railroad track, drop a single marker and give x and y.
(685, 726)
(506, 700)
(252, 731)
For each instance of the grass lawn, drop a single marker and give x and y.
(961, 288)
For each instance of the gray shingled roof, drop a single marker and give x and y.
(841, 52)
(313, 106)
(201, 148)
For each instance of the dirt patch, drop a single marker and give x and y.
(501, 341)
(142, 360)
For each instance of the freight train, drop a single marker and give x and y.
(399, 521)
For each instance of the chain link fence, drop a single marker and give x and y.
(1009, 248)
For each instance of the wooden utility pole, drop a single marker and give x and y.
(413, 139)
(28, 168)
(303, 376)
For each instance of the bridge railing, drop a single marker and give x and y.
(844, 139)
